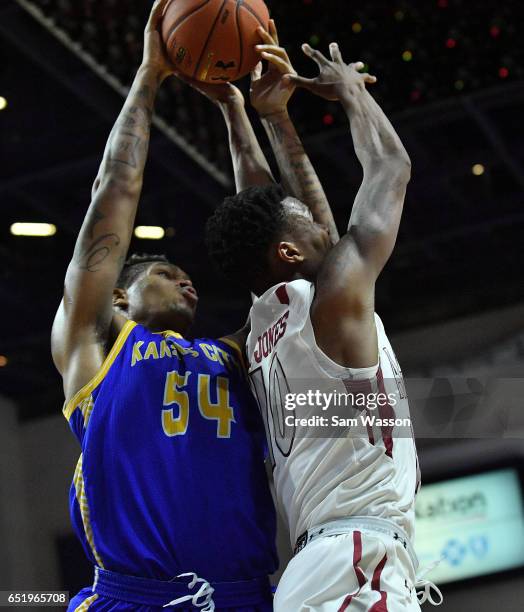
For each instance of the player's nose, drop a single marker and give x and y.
(186, 284)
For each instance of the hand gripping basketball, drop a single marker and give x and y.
(269, 93)
(154, 51)
(213, 40)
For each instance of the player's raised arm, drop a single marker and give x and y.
(270, 95)
(249, 162)
(83, 321)
(344, 304)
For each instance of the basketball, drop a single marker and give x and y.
(213, 40)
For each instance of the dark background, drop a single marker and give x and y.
(459, 101)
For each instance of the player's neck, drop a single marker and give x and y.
(278, 279)
(162, 324)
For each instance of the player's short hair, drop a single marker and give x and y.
(241, 230)
(135, 266)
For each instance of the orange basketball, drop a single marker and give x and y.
(213, 40)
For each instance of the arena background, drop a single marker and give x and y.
(452, 297)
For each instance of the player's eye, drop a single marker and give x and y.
(164, 273)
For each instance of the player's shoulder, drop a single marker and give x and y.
(291, 294)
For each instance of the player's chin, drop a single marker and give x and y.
(176, 313)
(185, 308)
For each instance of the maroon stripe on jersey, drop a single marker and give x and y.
(381, 605)
(385, 412)
(361, 387)
(347, 601)
(282, 295)
(357, 386)
(371, 437)
(375, 581)
(357, 558)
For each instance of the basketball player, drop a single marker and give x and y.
(170, 498)
(348, 501)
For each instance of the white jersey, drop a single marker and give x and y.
(319, 476)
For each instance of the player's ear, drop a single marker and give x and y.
(288, 252)
(120, 299)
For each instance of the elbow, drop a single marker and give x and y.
(400, 166)
(95, 187)
(396, 173)
(393, 173)
(393, 168)
(119, 183)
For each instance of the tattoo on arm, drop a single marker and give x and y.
(107, 230)
(94, 249)
(123, 148)
(129, 140)
(95, 253)
(144, 93)
(249, 163)
(298, 175)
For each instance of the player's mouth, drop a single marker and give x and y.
(190, 294)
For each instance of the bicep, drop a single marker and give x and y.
(345, 284)
(85, 313)
(351, 268)
(342, 313)
(376, 217)
(78, 352)
(99, 255)
(343, 309)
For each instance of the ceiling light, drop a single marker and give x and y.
(33, 229)
(478, 169)
(149, 232)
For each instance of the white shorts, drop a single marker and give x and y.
(349, 569)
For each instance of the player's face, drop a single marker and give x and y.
(312, 238)
(164, 296)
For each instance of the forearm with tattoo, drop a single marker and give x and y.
(128, 144)
(297, 173)
(108, 225)
(249, 163)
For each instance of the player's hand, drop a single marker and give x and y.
(155, 55)
(219, 93)
(269, 93)
(337, 79)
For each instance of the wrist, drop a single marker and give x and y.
(159, 74)
(274, 116)
(230, 104)
(351, 99)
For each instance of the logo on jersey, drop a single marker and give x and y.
(270, 338)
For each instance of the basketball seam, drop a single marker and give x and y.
(248, 8)
(181, 20)
(204, 48)
(240, 40)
